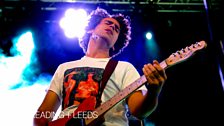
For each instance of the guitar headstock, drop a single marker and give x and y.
(185, 53)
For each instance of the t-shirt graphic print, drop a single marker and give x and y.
(79, 84)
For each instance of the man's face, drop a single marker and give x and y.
(108, 29)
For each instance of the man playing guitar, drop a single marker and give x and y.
(106, 36)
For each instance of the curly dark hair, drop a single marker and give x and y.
(125, 30)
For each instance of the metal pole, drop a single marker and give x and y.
(216, 46)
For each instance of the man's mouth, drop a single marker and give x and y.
(109, 31)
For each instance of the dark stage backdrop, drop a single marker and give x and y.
(193, 93)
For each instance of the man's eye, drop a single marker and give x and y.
(117, 30)
(108, 22)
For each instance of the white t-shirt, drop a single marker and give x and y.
(76, 80)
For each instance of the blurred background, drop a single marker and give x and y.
(35, 38)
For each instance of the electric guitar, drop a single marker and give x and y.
(90, 103)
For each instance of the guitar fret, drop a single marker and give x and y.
(163, 64)
(135, 84)
(138, 82)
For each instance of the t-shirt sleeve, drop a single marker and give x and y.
(130, 76)
(56, 82)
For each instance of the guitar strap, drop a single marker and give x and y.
(110, 67)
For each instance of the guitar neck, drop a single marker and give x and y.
(122, 95)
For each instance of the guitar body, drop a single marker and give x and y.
(87, 105)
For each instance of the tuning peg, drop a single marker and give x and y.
(188, 48)
(199, 44)
(183, 50)
(174, 54)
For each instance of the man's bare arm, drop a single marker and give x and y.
(48, 108)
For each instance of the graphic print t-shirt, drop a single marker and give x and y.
(79, 84)
(77, 80)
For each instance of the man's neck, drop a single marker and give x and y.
(97, 55)
(95, 50)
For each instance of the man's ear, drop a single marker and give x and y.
(113, 48)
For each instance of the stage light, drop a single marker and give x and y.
(152, 49)
(148, 35)
(73, 23)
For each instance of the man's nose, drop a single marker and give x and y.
(112, 26)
